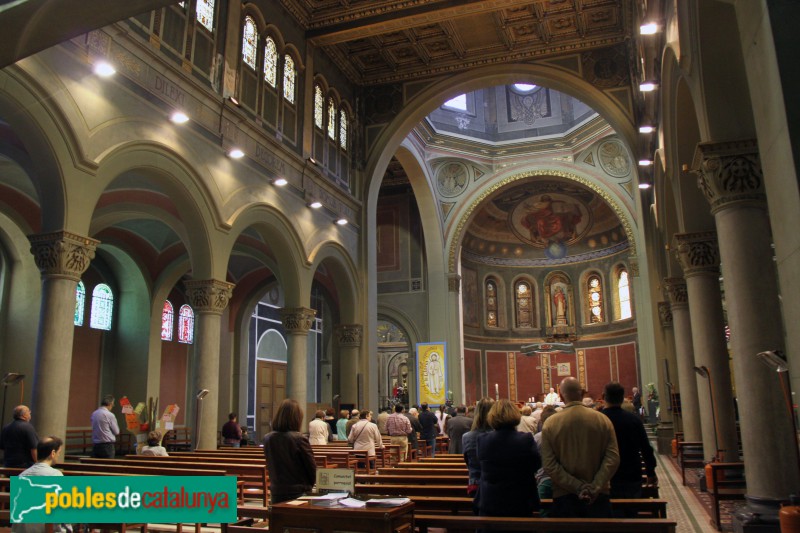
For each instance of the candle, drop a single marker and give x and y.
(496, 389)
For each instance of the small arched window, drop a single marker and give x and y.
(270, 62)
(491, 304)
(205, 13)
(331, 119)
(167, 321)
(343, 129)
(186, 325)
(102, 307)
(624, 291)
(289, 76)
(524, 305)
(595, 299)
(318, 103)
(249, 40)
(80, 303)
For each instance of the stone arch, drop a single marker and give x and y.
(342, 268)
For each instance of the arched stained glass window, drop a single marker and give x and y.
(491, 304)
(205, 13)
(624, 290)
(289, 76)
(270, 62)
(186, 325)
(331, 119)
(318, 103)
(80, 303)
(249, 42)
(595, 299)
(524, 305)
(343, 129)
(167, 321)
(102, 307)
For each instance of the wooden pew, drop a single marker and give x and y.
(728, 484)
(543, 525)
(690, 455)
(178, 439)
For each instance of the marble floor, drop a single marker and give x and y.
(683, 505)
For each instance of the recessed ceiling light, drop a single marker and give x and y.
(236, 153)
(280, 182)
(645, 162)
(342, 221)
(647, 87)
(316, 204)
(104, 69)
(179, 117)
(644, 185)
(646, 129)
(648, 29)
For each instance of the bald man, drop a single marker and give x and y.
(579, 453)
(19, 440)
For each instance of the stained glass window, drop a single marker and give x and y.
(80, 303)
(102, 307)
(270, 62)
(167, 321)
(595, 299)
(288, 78)
(524, 305)
(624, 295)
(331, 119)
(249, 42)
(318, 106)
(491, 304)
(186, 325)
(343, 129)
(205, 13)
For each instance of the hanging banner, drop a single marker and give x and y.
(431, 373)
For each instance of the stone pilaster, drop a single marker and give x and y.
(62, 257)
(730, 176)
(349, 338)
(297, 322)
(698, 255)
(208, 298)
(454, 283)
(667, 369)
(684, 350)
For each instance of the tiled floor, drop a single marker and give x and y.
(683, 506)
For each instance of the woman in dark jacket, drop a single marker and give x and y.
(290, 461)
(509, 461)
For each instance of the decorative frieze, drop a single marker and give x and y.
(62, 254)
(698, 253)
(729, 173)
(297, 319)
(349, 335)
(209, 295)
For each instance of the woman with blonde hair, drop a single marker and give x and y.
(290, 461)
(469, 442)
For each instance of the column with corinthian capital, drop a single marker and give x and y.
(297, 322)
(455, 352)
(666, 360)
(699, 258)
(348, 337)
(730, 176)
(62, 258)
(684, 351)
(208, 298)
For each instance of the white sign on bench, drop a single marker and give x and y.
(336, 479)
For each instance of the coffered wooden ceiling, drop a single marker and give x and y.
(383, 41)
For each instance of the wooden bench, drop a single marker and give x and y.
(178, 439)
(727, 483)
(690, 455)
(444, 479)
(423, 521)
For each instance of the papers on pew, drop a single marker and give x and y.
(352, 503)
(325, 500)
(387, 502)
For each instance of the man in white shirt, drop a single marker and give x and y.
(318, 429)
(104, 429)
(552, 397)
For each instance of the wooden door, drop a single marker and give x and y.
(270, 391)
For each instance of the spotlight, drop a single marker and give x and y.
(648, 29)
(644, 185)
(342, 221)
(233, 100)
(104, 69)
(179, 117)
(316, 204)
(645, 162)
(279, 182)
(646, 129)
(236, 153)
(647, 87)
(312, 160)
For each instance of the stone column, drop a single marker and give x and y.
(687, 382)
(455, 352)
(208, 298)
(61, 258)
(297, 322)
(348, 337)
(666, 362)
(730, 176)
(699, 258)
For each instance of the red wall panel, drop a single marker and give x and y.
(627, 367)
(598, 370)
(529, 378)
(472, 375)
(174, 357)
(84, 394)
(497, 372)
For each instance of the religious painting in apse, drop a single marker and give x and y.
(551, 221)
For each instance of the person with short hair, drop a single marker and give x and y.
(398, 427)
(354, 417)
(290, 460)
(19, 440)
(153, 446)
(416, 428)
(526, 422)
(341, 425)
(232, 431)
(456, 427)
(47, 451)
(365, 436)
(104, 429)
(509, 460)
(429, 428)
(318, 429)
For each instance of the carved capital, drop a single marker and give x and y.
(678, 296)
(665, 314)
(454, 282)
(729, 174)
(349, 335)
(698, 253)
(297, 319)
(62, 254)
(208, 295)
(633, 266)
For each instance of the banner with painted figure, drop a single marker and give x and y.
(431, 373)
